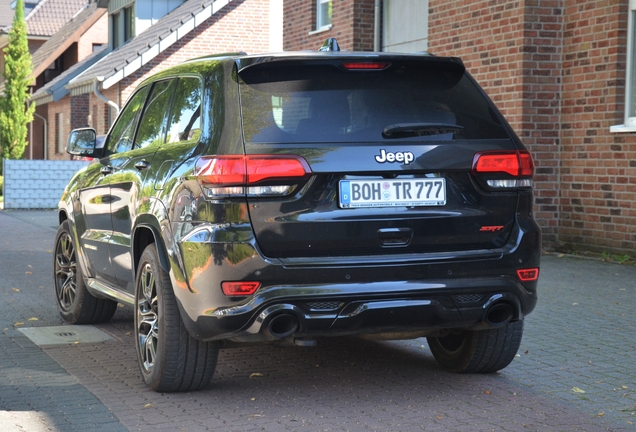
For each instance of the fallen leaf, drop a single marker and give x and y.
(487, 392)
(120, 305)
(575, 304)
(29, 272)
(148, 405)
(15, 289)
(601, 414)
(33, 319)
(577, 390)
(253, 399)
(440, 417)
(18, 324)
(49, 251)
(76, 343)
(29, 266)
(625, 387)
(560, 255)
(256, 374)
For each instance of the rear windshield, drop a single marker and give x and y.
(308, 103)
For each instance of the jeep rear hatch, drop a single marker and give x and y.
(403, 155)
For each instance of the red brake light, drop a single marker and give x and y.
(528, 275)
(221, 170)
(268, 167)
(527, 164)
(365, 65)
(515, 163)
(247, 170)
(252, 175)
(240, 288)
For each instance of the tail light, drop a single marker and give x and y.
(365, 65)
(251, 175)
(528, 275)
(499, 167)
(240, 288)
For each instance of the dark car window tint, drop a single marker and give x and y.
(317, 103)
(185, 119)
(123, 132)
(152, 127)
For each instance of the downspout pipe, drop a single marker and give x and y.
(46, 134)
(376, 26)
(102, 97)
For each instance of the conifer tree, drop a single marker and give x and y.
(15, 115)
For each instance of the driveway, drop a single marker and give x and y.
(576, 369)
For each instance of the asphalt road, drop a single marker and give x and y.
(576, 369)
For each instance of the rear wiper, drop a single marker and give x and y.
(403, 130)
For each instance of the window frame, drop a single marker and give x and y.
(320, 19)
(169, 125)
(629, 116)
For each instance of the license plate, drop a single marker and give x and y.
(392, 193)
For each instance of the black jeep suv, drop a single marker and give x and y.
(285, 197)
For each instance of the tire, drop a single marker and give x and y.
(75, 304)
(169, 358)
(483, 351)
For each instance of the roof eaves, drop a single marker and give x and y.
(58, 88)
(42, 99)
(78, 29)
(163, 44)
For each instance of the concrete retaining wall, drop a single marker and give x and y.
(36, 184)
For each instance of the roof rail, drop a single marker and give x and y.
(330, 44)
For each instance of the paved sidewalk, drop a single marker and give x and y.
(576, 369)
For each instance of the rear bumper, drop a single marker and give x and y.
(366, 295)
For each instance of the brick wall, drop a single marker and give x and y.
(556, 68)
(36, 184)
(598, 174)
(97, 34)
(513, 49)
(352, 25)
(80, 110)
(62, 106)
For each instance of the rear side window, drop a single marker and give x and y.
(185, 119)
(152, 127)
(122, 134)
(325, 103)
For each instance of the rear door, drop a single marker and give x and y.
(391, 145)
(127, 185)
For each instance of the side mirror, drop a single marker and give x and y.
(83, 142)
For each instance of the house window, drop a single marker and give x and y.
(115, 32)
(122, 26)
(129, 24)
(323, 14)
(630, 97)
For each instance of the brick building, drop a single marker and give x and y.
(140, 44)
(558, 70)
(59, 34)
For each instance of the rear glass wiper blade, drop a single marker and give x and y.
(401, 130)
